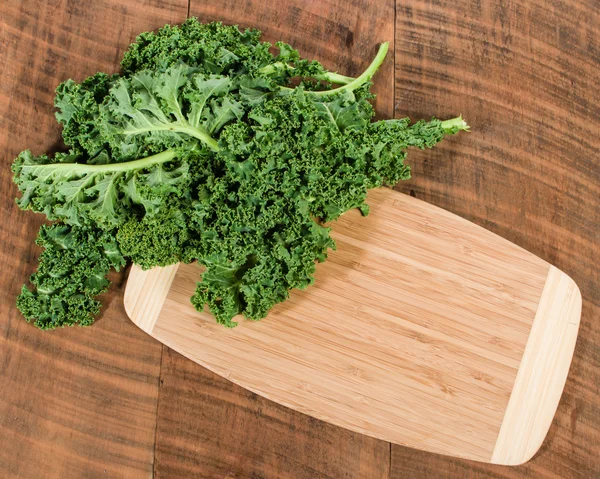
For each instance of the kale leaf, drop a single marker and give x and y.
(71, 273)
(203, 150)
(101, 195)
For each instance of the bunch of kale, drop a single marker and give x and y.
(201, 151)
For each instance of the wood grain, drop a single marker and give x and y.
(524, 74)
(421, 329)
(211, 428)
(152, 286)
(542, 373)
(75, 403)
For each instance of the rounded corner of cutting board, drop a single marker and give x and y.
(145, 294)
(542, 373)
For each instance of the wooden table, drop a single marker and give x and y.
(109, 401)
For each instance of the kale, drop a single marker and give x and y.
(201, 150)
(71, 273)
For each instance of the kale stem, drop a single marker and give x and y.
(455, 124)
(180, 127)
(326, 76)
(364, 77)
(82, 168)
(334, 78)
(200, 134)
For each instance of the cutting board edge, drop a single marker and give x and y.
(145, 294)
(542, 373)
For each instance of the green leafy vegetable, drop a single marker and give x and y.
(147, 110)
(71, 273)
(79, 193)
(202, 151)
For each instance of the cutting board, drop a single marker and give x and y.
(422, 329)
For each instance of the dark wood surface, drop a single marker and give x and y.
(81, 402)
(108, 401)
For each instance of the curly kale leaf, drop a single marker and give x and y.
(154, 111)
(264, 269)
(71, 273)
(324, 152)
(78, 106)
(104, 195)
(345, 111)
(213, 48)
(154, 241)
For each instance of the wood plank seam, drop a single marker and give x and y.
(159, 385)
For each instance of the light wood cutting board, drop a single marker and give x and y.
(422, 329)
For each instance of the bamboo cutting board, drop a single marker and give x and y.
(422, 329)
